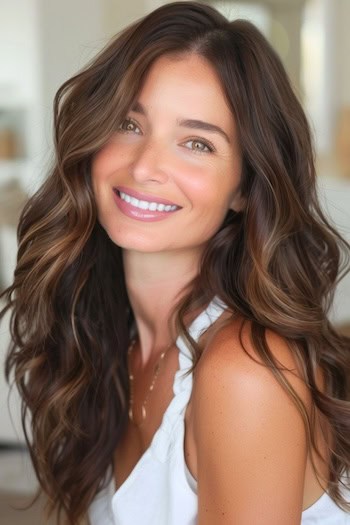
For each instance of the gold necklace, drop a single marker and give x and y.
(131, 378)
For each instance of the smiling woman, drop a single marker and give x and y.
(154, 160)
(170, 331)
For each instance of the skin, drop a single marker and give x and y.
(237, 470)
(260, 472)
(153, 154)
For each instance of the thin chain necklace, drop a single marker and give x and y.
(154, 378)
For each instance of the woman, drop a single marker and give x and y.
(170, 332)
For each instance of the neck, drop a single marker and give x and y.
(155, 283)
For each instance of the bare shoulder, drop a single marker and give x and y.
(232, 356)
(249, 435)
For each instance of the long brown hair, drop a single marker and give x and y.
(276, 263)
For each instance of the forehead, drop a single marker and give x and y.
(186, 86)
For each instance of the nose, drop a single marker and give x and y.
(148, 162)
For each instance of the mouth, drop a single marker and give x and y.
(146, 205)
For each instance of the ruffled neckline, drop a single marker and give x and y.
(162, 442)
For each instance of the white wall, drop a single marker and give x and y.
(18, 50)
(20, 86)
(118, 14)
(342, 59)
(70, 34)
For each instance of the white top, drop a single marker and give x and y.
(160, 490)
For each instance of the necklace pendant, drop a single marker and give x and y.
(131, 379)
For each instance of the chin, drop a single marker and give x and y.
(134, 242)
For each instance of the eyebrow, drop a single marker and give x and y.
(137, 107)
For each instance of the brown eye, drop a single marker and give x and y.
(129, 126)
(200, 146)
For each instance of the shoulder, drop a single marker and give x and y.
(232, 360)
(250, 436)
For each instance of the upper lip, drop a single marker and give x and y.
(143, 196)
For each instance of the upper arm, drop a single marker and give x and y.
(250, 438)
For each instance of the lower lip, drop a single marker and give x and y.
(138, 214)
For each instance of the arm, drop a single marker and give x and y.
(250, 438)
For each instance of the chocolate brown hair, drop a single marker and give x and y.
(276, 263)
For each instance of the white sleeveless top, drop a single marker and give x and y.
(160, 490)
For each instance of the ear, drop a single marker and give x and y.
(237, 202)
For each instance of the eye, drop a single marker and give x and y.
(200, 146)
(129, 126)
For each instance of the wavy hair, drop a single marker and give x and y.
(276, 263)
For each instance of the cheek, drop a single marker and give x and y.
(99, 168)
(106, 162)
(211, 188)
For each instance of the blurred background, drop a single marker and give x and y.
(44, 42)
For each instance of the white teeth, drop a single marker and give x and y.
(145, 205)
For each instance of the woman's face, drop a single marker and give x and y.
(168, 176)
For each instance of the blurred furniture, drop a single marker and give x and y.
(343, 142)
(12, 198)
(345, 329)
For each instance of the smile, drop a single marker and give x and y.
(141, 209)
(146, 205)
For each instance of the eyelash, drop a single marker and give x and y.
(205, 143)
(208, 145)
(128, 121)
